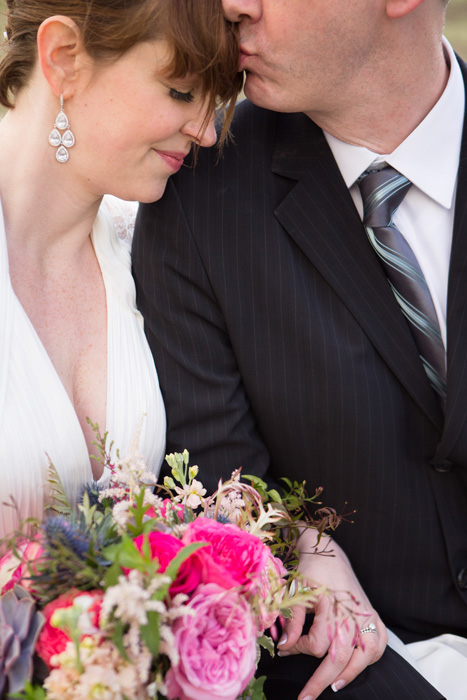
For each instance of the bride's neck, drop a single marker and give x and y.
(44, 207)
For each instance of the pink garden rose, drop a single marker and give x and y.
(15, 570)
(242, 556)
(270, 584)
(216, 646)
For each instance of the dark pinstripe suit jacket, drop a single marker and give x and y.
(280, 348)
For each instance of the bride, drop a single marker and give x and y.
(103, 97)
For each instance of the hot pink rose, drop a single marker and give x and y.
(163, 546)
(194, 570)
(53, 640)
(241, 555)
(217, 647)
(164, 507)
(168, 504)
(18, 570)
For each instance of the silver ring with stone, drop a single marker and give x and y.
(369, 628)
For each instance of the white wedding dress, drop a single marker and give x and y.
(37, 419)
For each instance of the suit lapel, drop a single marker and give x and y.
(320, 216)
(456, 407)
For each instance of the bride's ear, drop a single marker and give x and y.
(60, 48)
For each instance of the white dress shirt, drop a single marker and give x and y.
(429, 158)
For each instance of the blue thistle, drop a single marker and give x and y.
(93, 490)
(62, 533)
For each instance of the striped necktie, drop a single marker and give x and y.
(382, 192)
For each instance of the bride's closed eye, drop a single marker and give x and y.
(182, 96)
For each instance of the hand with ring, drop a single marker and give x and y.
(353, 652)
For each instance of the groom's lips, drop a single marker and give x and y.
(244, 56)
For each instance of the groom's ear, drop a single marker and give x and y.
(60, 50)
(400, 8)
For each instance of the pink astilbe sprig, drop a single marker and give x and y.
(254, 516)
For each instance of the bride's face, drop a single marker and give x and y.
(133, 125)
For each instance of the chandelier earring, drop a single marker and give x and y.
(62, 142)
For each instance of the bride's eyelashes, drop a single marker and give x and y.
(182, 96)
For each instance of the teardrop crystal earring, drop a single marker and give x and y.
(62, 142)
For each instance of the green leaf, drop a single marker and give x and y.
(30, 692)
(112, 574)
(256, 481)
(255, 691)
(275, 496)
(175, 564)
(57, 500)
(126, 554)
(150, 633)
(117, 638)
(266, 643)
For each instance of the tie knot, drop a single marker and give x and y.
(382, 192)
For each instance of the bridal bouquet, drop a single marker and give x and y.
(140, 596)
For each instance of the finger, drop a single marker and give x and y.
(346, 661)
(329, 671)
(364, 655)
(292, 628)
(317, 641)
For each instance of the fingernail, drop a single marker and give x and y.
(307, 697)
(282, 640)
(285, 653)
(338, 685)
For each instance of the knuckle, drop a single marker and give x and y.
(378, 655)
(342, 655)
(313, 647)
(384, 637)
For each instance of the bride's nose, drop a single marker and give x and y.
(200, 132)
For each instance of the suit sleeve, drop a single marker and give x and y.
(208, 411)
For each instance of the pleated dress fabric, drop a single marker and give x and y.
(38, 422)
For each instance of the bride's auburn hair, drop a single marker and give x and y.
(202, 41)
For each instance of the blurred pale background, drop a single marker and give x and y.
(456, 25)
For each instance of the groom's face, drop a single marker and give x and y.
(303, 55)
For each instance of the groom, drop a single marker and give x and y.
(296, 331)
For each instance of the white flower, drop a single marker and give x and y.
(129, 601)
(121, 514)
(191, 494)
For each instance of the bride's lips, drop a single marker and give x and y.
(174, 159)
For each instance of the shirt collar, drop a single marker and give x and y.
(429, 156)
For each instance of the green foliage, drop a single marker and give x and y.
(266, 643)
(255, 691)
(30, 692)
(57, 501)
